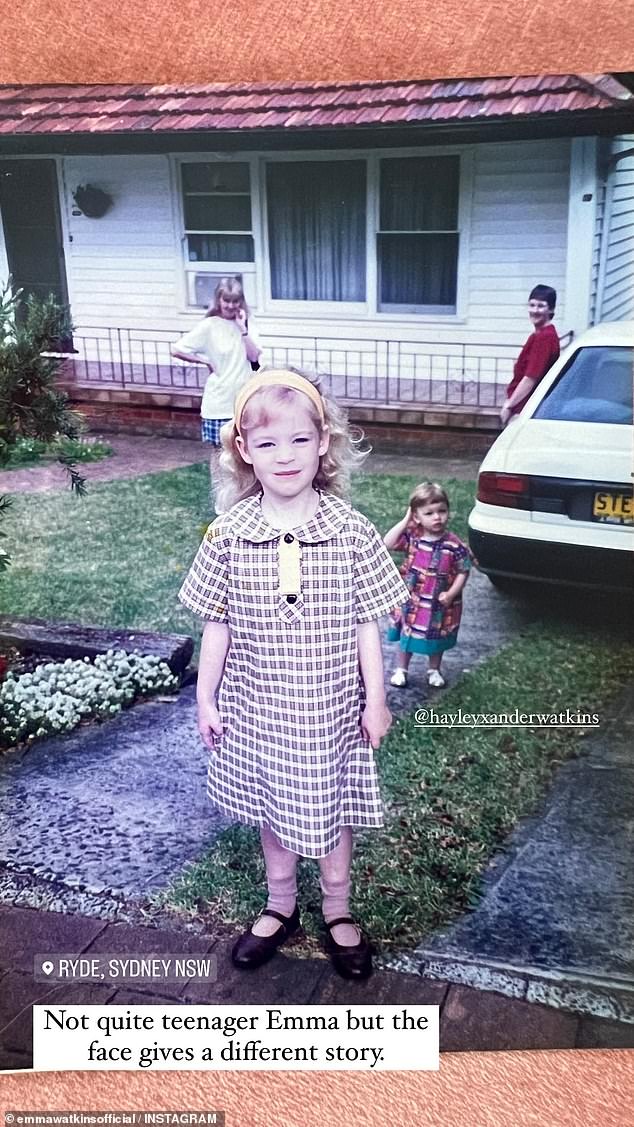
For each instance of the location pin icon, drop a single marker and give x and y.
(47, 967)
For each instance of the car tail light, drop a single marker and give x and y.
(508, 489)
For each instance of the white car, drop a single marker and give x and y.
(554, 500)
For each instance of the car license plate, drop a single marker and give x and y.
(615, 507)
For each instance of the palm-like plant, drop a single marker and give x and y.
(31, 402)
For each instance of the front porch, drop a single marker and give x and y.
(124, 378)
(365, 372)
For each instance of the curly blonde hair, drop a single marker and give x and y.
(236, 477)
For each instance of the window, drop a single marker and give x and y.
(317, 230)
(356, 234)
(417, 239)
(218, 226)
(594, 387)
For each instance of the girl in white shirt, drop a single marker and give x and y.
(226, 342)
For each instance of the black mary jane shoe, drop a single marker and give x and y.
(349, 962)
(252, 951)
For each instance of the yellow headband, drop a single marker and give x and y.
(277, 377)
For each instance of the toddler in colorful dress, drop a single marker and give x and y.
(292, 583)
(435, 570)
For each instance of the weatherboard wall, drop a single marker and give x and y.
(126, 268)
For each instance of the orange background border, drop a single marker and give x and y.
(101, 41)
(540, 1089)
(190, 41)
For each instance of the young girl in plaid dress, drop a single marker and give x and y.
(435, 569)
(291, 582)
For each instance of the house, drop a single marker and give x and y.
(387, 233)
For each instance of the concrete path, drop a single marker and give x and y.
(556, 921)
(133, 455)
(113, 810)
(137, 454)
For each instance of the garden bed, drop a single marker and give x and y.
(54, 676)
(57, 696)
(60, 640)
(34, 452)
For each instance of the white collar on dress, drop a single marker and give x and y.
(249, 523)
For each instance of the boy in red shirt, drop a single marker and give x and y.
(538, 354)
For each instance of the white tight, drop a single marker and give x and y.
(281, 875)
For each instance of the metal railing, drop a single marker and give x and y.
(372, 372)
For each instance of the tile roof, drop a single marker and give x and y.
(299, 105)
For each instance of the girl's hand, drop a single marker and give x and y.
(505, 414)
(241, 320)
(376, 721)
(445, 599)
(209, 723)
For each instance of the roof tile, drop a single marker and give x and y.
(297, 105)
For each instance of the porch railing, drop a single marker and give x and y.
(370, 371)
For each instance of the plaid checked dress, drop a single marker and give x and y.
(292, 755)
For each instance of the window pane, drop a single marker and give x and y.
(217, 213)
(218, 176)
(220, 248)
(417, 270)
(596, 387)
(205, 286)
(420, 194)
(317, 230)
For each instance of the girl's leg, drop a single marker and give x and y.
(281, 876)
(401, 665)
(434, 676)
(335, 886)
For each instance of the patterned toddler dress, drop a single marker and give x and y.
(423, 625)
(292, 755)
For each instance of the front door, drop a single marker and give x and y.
(32, 230)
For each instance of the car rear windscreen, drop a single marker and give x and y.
(594, 387)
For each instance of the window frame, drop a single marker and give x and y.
(247, 270)
(311, 308)
(394, 308)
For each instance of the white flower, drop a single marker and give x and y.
(57, 695)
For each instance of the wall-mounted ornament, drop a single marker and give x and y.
(92, 202)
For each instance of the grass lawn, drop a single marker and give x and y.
(452, 797)
(117, 558)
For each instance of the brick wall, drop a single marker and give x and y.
(461, 430)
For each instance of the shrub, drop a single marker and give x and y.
(30, 451)
(31, 402)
